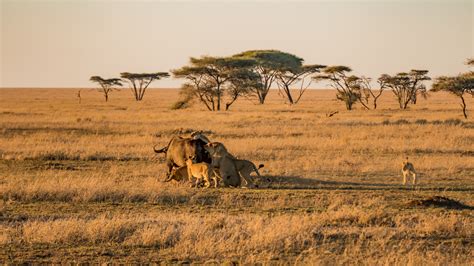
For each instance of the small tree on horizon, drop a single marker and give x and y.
(139, 82)
(348, 87)
(458, 85)
(368, 92)
(106, 85)
(406, 86)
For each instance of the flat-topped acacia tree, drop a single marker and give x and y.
(106, 85)
(208, 77)
(268, 64)
(406, 86)
(458, 85)
(348, 87)
(139, 82)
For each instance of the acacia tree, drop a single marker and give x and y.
(139, 82)
(268, 63)
(406, 86)
(106, 85)
(290, 75)
(457, 85)
(367, 92)
(208, 76)
(348, 87)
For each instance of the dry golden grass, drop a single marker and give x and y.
(80, 182)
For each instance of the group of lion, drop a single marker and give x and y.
(200, 162)
(224, 169)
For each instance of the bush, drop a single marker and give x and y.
(181, 104)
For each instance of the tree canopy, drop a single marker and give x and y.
(268, 64)
(106, 84)
(347, 86)
(406, 86)
(139, 82)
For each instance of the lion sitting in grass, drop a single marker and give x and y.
(408, 169)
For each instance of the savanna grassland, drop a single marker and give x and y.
(80, 182)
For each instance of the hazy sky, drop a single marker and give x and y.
(63, 43)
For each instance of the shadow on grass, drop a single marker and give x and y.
(297, 182)
(439, 202)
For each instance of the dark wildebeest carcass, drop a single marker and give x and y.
(180, 149)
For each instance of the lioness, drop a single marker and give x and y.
(201, 171)
(408, 169)
(245, 168)
(231, 169)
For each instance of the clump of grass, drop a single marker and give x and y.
(401, 122)
(421, 121)
(453, 122)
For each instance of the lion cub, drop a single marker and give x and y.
(178, 174)
(201, 171)
(408, 169)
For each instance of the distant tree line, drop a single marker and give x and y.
(138, 83)
(218, 82)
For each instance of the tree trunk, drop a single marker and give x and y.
(218, 97)
(262, 94)
(106, 95)
(349, 105)
(228, 104)
(288, 95)
(363, 104)
(405, 105)
(463, 107)
(402, 104)
(375, 104)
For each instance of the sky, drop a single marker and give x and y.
(63, 43)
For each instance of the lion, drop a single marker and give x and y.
(178, 174)
(246, 167)
(202, 172)
(408, 169)
(231, 169)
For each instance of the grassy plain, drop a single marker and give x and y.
(80, 182)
